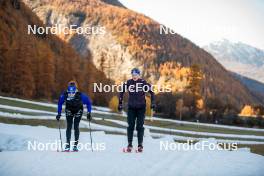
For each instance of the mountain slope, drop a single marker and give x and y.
(239, 57)
(37, 66)
(254, 86)
(134, 40)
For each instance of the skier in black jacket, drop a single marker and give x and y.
(136, 88)
(74, 110)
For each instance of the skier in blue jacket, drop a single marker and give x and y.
(74, 110)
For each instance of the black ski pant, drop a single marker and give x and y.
(73, 118)
(135, 116)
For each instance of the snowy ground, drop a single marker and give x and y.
(15, 159)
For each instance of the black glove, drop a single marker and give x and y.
(89, 117)
(153, 106)
(58, 117)
(120, 107)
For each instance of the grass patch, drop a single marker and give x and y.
(33, 122)
(255, 148)
(201, 136)
(108, 123)
(23, 112)
(109, 116)
(48, 123)
(36, 122)
(26, 105)
(197, 128)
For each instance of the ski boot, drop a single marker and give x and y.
(139, 149)
(128, 149)
(67, 148)
(75, 148)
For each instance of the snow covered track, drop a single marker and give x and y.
(112, 162)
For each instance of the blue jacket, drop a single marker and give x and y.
(85, 100)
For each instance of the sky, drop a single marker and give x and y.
(205, 21)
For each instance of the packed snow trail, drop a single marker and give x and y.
(15, 159)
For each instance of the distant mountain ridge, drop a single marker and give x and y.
(239, 57)
(254, 86)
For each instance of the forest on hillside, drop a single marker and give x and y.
(40, 66)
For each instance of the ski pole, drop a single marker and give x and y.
(91, 139)
(60, 133)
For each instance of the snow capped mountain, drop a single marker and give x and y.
(239, 57)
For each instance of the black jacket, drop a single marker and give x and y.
(136, 97)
